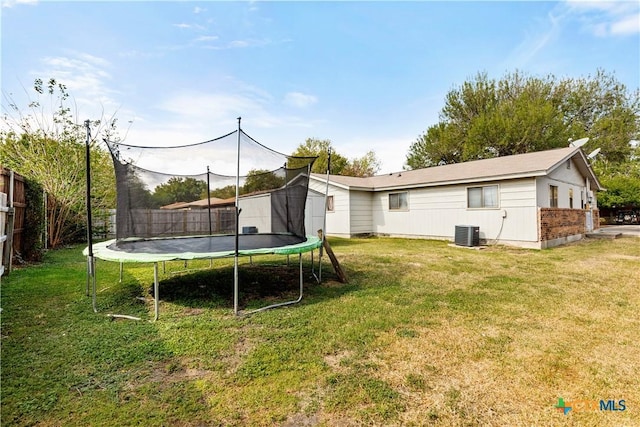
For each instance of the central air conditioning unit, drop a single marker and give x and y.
(467, 235)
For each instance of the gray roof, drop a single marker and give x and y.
(538, 163)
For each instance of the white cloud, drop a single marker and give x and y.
(198, 10)
(87, 79)
(300, 100)
(206, 38)
(628, 25)
(239, 43)
(12, 3)
(535, 41)
(607, 18)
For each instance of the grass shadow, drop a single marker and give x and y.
(259, 284)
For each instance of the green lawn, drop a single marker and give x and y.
(423, 334)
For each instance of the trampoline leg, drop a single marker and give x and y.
(88, 276)
(287, 302)
(313, 268)
(121, 271)
(91, 265)
(235, 285)
(155, 290)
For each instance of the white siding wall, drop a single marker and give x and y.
(256, 211)
(565, 179)
(361, 217)
(434, 212)
(314, 213)
(338, 221)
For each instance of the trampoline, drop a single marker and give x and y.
(204, 247)
(270, 192)
(197, 247)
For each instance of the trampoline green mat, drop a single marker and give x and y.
(194, 247)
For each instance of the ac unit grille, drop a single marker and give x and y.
(467, 235)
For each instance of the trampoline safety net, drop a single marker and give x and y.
(190, 190)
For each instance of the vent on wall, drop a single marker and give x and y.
(467, 235)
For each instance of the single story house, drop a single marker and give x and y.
(534, 200)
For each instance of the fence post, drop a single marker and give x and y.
(9, 241)
(3, 237)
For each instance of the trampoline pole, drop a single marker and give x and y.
(91, 264)
(324, 219)
(237, 243)
(209, 201)
(156, 295)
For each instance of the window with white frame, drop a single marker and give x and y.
(482, 197)
(399, 201)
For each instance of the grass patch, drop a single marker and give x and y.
(424, 333)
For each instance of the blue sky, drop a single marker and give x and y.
(366, 75)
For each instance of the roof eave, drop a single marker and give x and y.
(462, 181)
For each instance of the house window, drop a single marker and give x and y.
(571, 198)
(553, 196)
(482, 197)
(399, 201)
(330, 204)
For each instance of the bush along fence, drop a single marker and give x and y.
(23, 219)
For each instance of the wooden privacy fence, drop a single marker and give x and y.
(4, 210)
(13, 186)
(165, 222)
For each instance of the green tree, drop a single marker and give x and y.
(367, 165)
(621, 181)
(603, 109)
(262, 179)
(518, 114)
(313, 147)
(225, 192)
(51, 151)
(178, 189)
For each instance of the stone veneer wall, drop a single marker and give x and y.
(560, 223)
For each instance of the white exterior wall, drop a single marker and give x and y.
(339, 220)
(361, 216)
(565, 179)
(314, 213)
(434, 212)
(256, 211)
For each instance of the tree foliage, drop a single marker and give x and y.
(320, 148)
(518, 114)
(260, 180)
(367, 165)
(179, 190)
(621, 181)
(51, 151)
